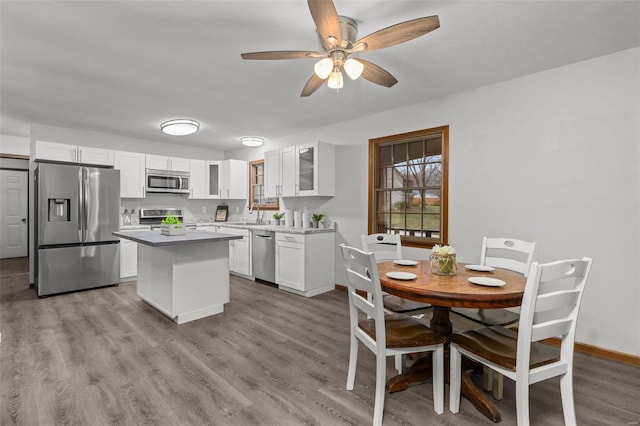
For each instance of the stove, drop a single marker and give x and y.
(154, 217)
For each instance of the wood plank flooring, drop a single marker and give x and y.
(104, 357)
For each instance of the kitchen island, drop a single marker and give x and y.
(186, 277)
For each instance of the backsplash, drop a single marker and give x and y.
(193, 209)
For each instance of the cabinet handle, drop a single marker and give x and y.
(79, 155)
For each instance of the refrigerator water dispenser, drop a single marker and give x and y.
(59, 209)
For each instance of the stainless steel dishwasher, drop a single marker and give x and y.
(264, 255)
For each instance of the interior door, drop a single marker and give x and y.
(13, 213)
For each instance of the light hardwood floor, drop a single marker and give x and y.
(103, 357)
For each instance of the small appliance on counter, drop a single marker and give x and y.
(77, 210)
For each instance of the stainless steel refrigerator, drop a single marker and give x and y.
(77, 209)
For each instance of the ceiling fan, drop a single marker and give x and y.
(338, 42)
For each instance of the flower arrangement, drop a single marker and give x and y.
(443, 260)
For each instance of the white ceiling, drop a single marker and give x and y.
(124, 67)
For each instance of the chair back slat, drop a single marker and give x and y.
(556, 300)
(508, 253)
(549, 329)
(384, 246)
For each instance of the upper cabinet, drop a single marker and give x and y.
(132, 173)
(73, 153)
(161, 162)
(300, 170)
(227, 180)
(198, 179)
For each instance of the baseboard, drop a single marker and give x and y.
(582, 348)
(601, 352)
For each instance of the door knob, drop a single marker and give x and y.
(24, 220)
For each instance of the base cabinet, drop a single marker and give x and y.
(239, 251)
(128, 259)
(305, 263)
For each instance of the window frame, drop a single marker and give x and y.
(252, 175)
(374, 145)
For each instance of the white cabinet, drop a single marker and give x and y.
(132, 173)
(272, 174)
(227, 180)
(198, 179)
(305, 262)
(288, 182)
(74, 153)
(234, 179)
(300, 170)
(161, 162)
(239, 250)
(128, 258)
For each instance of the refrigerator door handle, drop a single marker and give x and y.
(81, 205)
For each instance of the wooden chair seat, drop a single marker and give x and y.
(488, 317)
(499, 345)
(403, 332)
(398, 304)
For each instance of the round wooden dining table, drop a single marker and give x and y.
(444, 292)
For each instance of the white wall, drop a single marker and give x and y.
(551, 157)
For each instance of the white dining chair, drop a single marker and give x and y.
(505, 253)
(385, 335)
(387, 247)
(549, 309)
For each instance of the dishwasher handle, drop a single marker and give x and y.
(264, 237)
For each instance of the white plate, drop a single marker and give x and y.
(405, 262)
(480, 268)
(491, 282)
(402, 275)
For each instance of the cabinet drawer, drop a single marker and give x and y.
(291, 238)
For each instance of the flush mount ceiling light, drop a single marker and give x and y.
(251, 141)
(180, 127)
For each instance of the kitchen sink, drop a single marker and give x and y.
(245, 223)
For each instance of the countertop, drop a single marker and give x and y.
(275, 228)
(156, 239)
(284, 229)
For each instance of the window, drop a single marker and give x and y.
(256, 187)
(408, 179)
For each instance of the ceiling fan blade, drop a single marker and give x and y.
(400, 33)
(312, 85)
(325, 16)
(377, 74)
(283, 54)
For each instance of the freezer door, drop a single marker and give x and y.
(58, 204)
(101, 204)
(73, 268)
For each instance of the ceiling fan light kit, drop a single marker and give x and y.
(338, 40)
(180, 127)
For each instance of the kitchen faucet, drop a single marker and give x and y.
(258, 218)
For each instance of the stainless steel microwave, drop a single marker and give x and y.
(167, 181)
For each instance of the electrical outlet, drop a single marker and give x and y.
(204, 209)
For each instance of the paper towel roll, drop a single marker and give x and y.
(288, 218)
(305, 220)
(297, 219)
